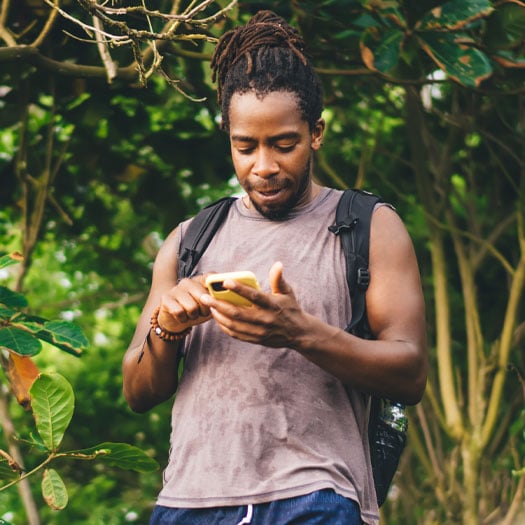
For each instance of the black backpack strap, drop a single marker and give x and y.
(352, 225)
(199, 234)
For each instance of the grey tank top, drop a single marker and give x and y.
(252, 424)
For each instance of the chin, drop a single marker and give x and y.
(277, 213)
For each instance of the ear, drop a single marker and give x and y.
(317, 134)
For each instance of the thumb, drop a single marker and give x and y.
(277, 283)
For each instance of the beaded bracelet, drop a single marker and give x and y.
(165, 335)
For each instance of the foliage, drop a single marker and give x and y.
(51, 398)
(52, 401)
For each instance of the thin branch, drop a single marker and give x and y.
(103, 51)
(176, 85)
(50, 22)
(429, 444)
(481, 241)
(5, 35)
(86, 27)
(517, 503)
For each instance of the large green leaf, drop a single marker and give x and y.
(53, 490)
(455, 14)
(52, 401)
(19, 341)
(120, 455)
(381, 49)
(466, 65)
(64, 335)
(10, 298)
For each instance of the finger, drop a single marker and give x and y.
(242, 289)
(193, 307)
(237, 327)
(181, 308)
(190, 298)
(277, 283)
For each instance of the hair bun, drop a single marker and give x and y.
(264, 29)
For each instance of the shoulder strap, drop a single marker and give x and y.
(199, 234)
(352, 224)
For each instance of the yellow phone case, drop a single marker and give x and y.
(216, 289)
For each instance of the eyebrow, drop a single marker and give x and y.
(282, 136)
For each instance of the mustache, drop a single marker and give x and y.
(270, 186)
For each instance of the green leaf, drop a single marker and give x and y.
(52, 400)
(29, 326)
(455, 14)
(19, 341)
(7, 313)
(381, 49)
(53, 490)
(64, 335)
(9, 259)
(10, 298)
(466, 65)
(121, 455)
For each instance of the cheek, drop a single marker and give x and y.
(241, 163)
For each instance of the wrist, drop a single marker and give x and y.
(162, 333)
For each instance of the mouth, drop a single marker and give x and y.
(269, 195)
(269, 192)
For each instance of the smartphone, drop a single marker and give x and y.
(215, 282)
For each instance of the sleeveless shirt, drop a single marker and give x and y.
(252, 424)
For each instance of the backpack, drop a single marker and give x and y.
(387, 428)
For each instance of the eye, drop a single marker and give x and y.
(284, 148)
(245, 151)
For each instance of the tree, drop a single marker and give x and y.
(463, 135)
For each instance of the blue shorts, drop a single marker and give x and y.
(323, 507)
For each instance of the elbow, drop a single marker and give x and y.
(414, 396)
(142, 400)
(139, 402)
(417, 382)
(136, 404)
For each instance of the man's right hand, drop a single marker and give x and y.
(180, 307)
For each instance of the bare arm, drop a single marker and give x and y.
(393, 365)
(150, 365)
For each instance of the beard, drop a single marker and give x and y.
(283, 212)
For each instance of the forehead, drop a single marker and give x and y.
(277, 109)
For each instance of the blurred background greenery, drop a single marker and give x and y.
(424, 105)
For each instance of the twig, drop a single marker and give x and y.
(5, 35)
(50, 22)
(103, 51)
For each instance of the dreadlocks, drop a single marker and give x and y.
(265, 55)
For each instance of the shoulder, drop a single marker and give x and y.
(168, 252)
(386, 223)
(391, 247)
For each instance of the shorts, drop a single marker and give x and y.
(323, 507)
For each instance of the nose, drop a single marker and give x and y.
(265, 165)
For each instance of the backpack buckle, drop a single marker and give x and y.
(345, 225)
(363, 278)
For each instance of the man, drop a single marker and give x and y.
(269, 424)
